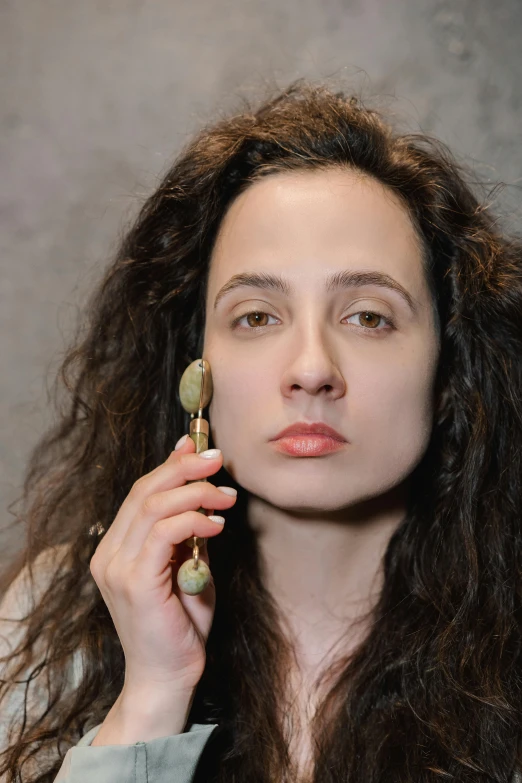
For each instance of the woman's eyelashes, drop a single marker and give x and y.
(367, 320)
(252, 323)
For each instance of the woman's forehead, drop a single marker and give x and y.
(314, 223)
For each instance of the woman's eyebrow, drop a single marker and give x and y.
(347, 278)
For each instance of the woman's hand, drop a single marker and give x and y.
(163, 631)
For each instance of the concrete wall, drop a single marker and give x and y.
(98, 96)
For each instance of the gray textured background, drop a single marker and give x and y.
(98, 96)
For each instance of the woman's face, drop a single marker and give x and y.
(360, 358)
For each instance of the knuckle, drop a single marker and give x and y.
(151, 505)
(137, 488)
(204, 492)
(159, 531)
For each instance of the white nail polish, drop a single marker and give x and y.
(219, 520)
(210, 453)
(228, 490)
(180, 442)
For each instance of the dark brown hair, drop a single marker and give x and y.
(434, 691)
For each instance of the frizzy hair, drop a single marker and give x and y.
(434, 690)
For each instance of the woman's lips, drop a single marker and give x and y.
(313, 445)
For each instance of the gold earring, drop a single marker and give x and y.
(195, 392)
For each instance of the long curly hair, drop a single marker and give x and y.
(434, 690)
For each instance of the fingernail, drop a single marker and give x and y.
(219, 520)
(228, 490)
(180, 442)
(210, 453)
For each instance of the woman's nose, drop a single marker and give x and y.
(314, 368)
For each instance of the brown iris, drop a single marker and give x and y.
(368, 316)
(255, 315)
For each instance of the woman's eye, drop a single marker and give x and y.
(367, 319)
(254, 319)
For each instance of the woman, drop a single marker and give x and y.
(364, 618)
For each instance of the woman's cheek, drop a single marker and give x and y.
(232, 411)
(391, 401)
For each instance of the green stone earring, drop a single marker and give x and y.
(195, 392)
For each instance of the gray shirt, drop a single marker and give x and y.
(163, 760)
(171, 759)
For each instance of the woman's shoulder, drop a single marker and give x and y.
(25, 591)
(27, 689)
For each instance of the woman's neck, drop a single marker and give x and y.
(324, 571)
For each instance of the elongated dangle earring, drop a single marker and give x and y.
(195, 392)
